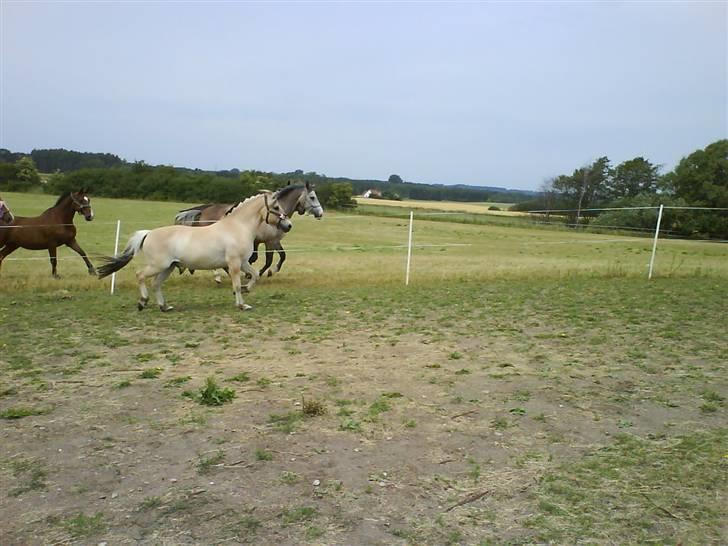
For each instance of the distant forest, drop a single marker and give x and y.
(109, 175)
(635, 187)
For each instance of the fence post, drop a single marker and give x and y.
(654, 242)
(116, 250)
(409, 250)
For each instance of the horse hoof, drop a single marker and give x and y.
(92, 271)
(245, 307)
(270, 273)
(140, 306)
(218, 282)
(56, 276)
(165, 308)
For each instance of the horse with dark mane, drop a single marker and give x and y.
(53, 228)
(299, 198)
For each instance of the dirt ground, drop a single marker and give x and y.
(439, 422)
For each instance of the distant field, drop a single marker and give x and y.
(530, 386)
(447, 206)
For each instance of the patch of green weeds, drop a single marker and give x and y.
(149, 503)
(242, 377)
(150, 373)
(30, 473)
(211, 394)
(499, 423)
(177, 381)
(350, 425)
(20, 412)
(455, 355)
(290, 478)
(263, 455)
(263, 382)
(298, 515)
(122, 384)
(205, 465)
(286, 422)
(82, 525)
(313, 408)
(517, 411)
(463, 371)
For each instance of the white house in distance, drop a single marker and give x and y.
(371, 192)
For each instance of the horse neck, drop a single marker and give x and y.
(289, 202)
(249, 213)
(63, 211)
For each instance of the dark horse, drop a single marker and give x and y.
(50, 230)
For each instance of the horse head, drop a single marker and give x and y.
(309, 202)
(82, 204)
(275, 215)
(5, 215)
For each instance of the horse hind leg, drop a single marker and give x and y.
(157, 285)
(141, 276)
(54, 262)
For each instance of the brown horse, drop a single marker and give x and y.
(50, 230)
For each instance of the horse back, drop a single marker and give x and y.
(38, 232)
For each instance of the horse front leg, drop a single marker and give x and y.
(54, 262)
(268, 260)
(234, 271)
(281, 258)
(76, 247)
(157, 286)
(251, 273)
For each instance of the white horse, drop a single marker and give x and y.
(227, 243)
(293, 198)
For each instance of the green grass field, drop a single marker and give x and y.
(365, 249)
(529, 388)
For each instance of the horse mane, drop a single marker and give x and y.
(288, 189)
(200, 207)
(228, 211)
(62, 197)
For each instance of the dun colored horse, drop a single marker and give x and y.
(226, 243)
(296, 198)
(50, 230)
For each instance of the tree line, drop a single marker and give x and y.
(111, 176)
(698, 180)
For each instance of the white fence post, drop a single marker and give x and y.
(409, 250)
(654, 242)
(116, 250)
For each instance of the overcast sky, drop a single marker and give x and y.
(475, 93)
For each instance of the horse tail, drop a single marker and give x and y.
(115, 263)
(188, 217)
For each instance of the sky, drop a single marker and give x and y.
(479, 93)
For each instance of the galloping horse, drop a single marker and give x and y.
(226, 243)
(297, 198)
(50, 230)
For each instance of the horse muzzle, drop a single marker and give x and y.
(285, 225)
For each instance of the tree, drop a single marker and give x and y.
(632, 178)
(586, 187)
(395, 179)
(702, 177)
(27, 173)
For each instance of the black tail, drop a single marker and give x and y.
(113, 264)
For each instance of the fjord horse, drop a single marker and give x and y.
(227, 243)
(6, 216)
(296, 198)
(53, 228)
